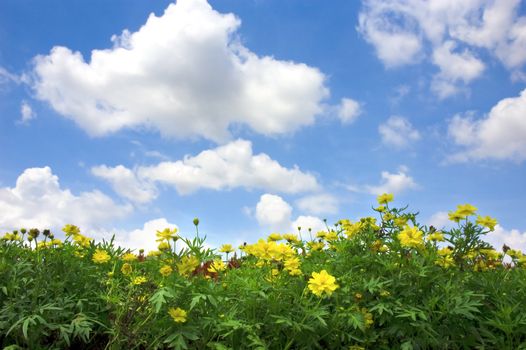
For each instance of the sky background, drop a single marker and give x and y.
(125, 117)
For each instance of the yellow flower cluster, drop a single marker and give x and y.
(187, 265)
(217, 266)
(100, 256)
(74, 232)
(269, 251)
(166, 270)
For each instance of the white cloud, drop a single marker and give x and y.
(306, 222)
(229, 166)
(125, 183)
(403, 31)
(512, 238)
(143, 238)
(273, 212)
(440, 220)
(348, 110)
(393, 183)
(26, 113)
(37, 200)
(7, 77)
(318, 204)
(398, 132)
(500, 135)
(184, 74)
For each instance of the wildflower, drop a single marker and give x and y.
(187, 265)
(57, 242)
(164, 246)
(166, 270)
(331, 236)
(358, 296)
(139, 280)
(178, 315)
(368, 317)
(100, 256)
(400, 221)
(385, 198)
(466, 209)
(226, 248)
(384, 293)
(71, 230)
(321, 234)
(126, 269)
(445, 251)
(387, 217)
(275, 237)
(411, 237)
(316, 245)
(322, 283)
(455, 216)
(445, 261)
(380, 209)
(129, 257)
(436, 236)
(154, 253)
(292, 265)
(167, 234)
(291, 238)
(487, 221)
(217, 266)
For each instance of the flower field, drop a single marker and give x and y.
(383, 282)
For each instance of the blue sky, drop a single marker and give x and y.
(258, 116)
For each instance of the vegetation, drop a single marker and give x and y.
(385, 283)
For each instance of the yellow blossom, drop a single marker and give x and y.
(314, 246)
(411, 237)
(466, 209)
(444, 251)
(274, 237)
(167, 234)
(187, 265)
(400, 221)
(445, 261)
(164, 246)
(486, 221)
(154, 253)
(178, 315)
(129, 257)
(139, 280)
(126, 269)
(455, 216)
(322, 283)
(289, 237)
(166, 270)
(380, 208)
(226, 248)
(217, 266)
(100, 256)
(385, 198)
(436, 236)
(71, 230)
(331, 236)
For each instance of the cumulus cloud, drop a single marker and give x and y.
(273, 213)
(142, 238)
(393, 183)
(308, 222)
(348, 110)
(318, 204)
(184, 74)
(37, 200)
(26, 113)
(229, 166)
(404, 32)
(514, 239)
(398, 132)
(125, 183)
(499, 135)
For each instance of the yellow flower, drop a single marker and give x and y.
(187, 265)
(226, 248)
(139, 280)
(71, 230)
(166, 270)
(368, 317)
(380, 209)
(331, 236)
(322, 283)
(126, 269)
(400, 221)
(154, 253)
(217, 266)
(487, 221)
(178, 315)
(321, 234)
(455, 216)
(292, 265)
(167, 234)
(444, 251)
(466, 209)
(290, 237)
(436, 236)
(385, 198)
(316, 245)
(164, 246)
(445, 261)
(129, 257)
(411, 237)
(275, 237)
(100, 256)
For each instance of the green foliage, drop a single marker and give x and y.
(397, 286)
